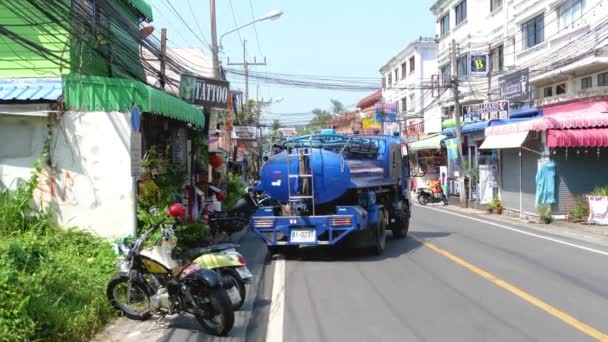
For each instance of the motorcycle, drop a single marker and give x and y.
(151, 281)
(426, 196)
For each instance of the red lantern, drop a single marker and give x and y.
(215, 161)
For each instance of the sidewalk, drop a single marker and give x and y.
(592, 233)
(185, 327)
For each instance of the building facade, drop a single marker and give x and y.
(406, 83)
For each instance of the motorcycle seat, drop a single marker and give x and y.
(196, 252)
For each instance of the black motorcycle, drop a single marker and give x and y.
(152, 281)
(426, 196)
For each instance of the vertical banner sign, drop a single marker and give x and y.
(478, 64)
(452, 147)
(204, 92)
(135, 154)
(598, 209)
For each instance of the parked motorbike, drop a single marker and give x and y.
(426, 196)
(152, 281)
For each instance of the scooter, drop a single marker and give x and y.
(426, 196)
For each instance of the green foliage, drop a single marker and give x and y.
(496, 203)
(52, 281)
(544, 213)
(234, 191)
(600, 191)
(191, 236)
(276, 124)
(580, 210)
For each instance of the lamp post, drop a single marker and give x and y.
(272, 15)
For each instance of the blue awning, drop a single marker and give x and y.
(527, 112)
(31, 89)
(482, 125)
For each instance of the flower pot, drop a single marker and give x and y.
(490, 210)
(498, 211)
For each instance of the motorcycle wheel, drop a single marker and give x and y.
(231, 277)
(422, 199)
(220, 319)
(138, 308)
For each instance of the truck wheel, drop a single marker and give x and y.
(379, 235)
(400, 228)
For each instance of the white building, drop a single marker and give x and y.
(406, 80)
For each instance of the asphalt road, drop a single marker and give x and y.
(455, 278)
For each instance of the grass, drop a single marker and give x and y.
(52, 280)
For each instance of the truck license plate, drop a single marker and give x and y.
(303, 235)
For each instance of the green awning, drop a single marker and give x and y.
(448, 123)
(94, 93)
(430, 143)
(143, 7)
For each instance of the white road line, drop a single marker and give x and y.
(521, 231)
(274, 330)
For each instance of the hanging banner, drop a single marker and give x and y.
(452, 147)
(391, 127)
(386, 114)
(204, 91)
(598, 209)
(485, 111)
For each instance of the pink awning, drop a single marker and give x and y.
(564, 120)
(591, 137)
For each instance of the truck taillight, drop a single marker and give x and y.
(263, 222)
(340, 221)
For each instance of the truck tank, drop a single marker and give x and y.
(332, 176)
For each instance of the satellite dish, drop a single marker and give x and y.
(144, 32)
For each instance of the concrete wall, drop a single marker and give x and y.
(21, 143)
(89, 184)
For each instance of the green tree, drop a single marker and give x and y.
(248, 114)
(337, 107)
(276, 124)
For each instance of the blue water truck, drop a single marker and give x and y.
(333, 189)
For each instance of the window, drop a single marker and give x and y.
(390, 80)
(586, 82)
(560, 89)
(463, 64)
(497, 57)
(396, 75)
(602, 79)
(495, 4)
(569, 12)
(403, 70)
(404, 105)
(444, 24)
(412, 103)
(412, 64)
(383, 82)
(548, 91)
(446, 74)
(461, 12)
(534, 31)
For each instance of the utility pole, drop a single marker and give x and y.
(246, 66)
(163, 58)
(489, 72)
(214, 47)
(463, 194)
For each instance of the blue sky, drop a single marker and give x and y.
(313, 37)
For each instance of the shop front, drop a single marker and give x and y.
(427, 156)
(571, 135)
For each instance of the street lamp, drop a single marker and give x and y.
(272, 15)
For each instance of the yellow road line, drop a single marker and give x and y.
(600, 336)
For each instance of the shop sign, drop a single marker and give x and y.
(478, 64)
(386, 112)
(204, 91)
(598, 209)
(370, 123)
(245, 133)
(391, 127)
(135, 154)
(485, 111)
(415, 129)
(515, 86)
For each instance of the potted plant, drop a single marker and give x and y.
(544, 213)
(496, 206)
